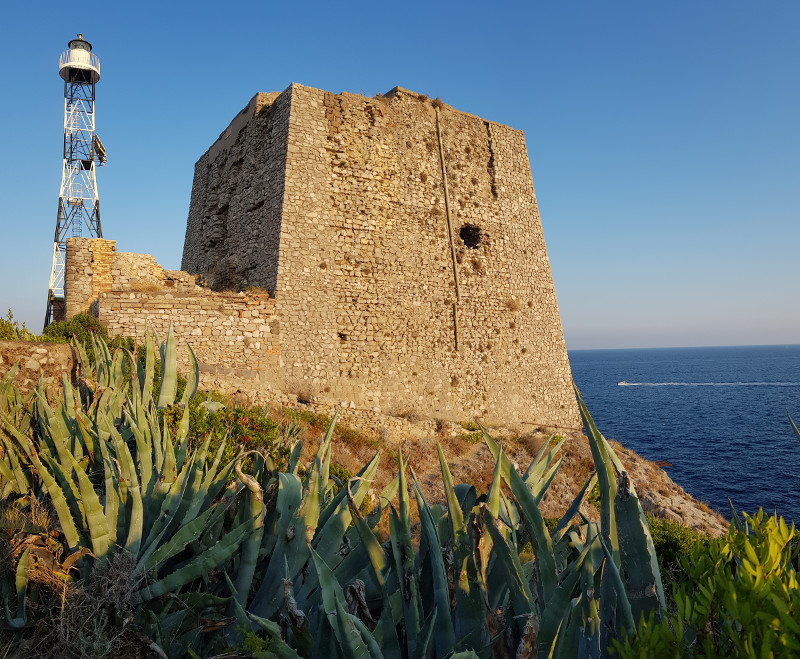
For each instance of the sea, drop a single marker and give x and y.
(718, 415)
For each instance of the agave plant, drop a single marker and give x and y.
(285, 556)
(463, 592)
(117, 479)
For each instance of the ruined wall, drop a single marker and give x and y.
(403, 243)
(230, 333)
(87, 271)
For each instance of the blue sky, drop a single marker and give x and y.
(664, 137)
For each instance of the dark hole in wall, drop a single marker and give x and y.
(471, 235)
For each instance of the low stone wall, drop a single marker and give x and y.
(230, 333)
(46, 360)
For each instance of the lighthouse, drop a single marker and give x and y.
(78, 200)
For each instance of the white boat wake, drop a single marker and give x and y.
(623, 383)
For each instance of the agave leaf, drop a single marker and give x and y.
(637, 553)
(149, 372)
(83, 357)
(290, 545)
(13, 472)
(387, 495)
(611, 572)
(468, 614)
(445, 635)
(55, 429)
(333, 601)
(540, 487)
(21, 583)
(102, 374)
(336, 517)
(317, 483)
(556, 608)
(170, 502)
(248, 557)
(520, 594)
(7, 475)
(461, 545)
(118, 369)
(373, 549)
(169, 371)
(144, 457)
(194, 498)
(169, 468)
(277, 645)
(385, 631)
(182, 434)
(135, 396)
(114, 483)
(540, 537)
(607, 482)
(194, 378)
(404, 557)
(569, 515)
(101, 533)
(211, 558)
(135, 525)
(542, 461)
(794, 427)
(424, 639)
(483, 542)
(373, 647)
(736, 521)
(177, 543)
(59, 501)
(294, 457)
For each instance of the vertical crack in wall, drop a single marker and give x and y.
(449, 230)
(490, 164)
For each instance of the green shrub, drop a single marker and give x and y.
(674, 544)
(11, 330)
(739, 597)
(81, 326)
(243, 429)
(471, 438)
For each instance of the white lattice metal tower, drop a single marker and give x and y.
(78, 201)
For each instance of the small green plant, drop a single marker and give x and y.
(594, 497)
(469, 425)
(256, 290)
(11, 330)
(471, 438)
(740, 597)
(674, 544)
(81, 327)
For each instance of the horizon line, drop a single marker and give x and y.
(690, 347)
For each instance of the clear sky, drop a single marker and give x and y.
(664, 137)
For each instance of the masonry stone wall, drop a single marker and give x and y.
(232, 334)
(87, 271)
(403, 245)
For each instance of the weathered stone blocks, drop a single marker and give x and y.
(402, 241)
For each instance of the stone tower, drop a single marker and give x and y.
(402, 242)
